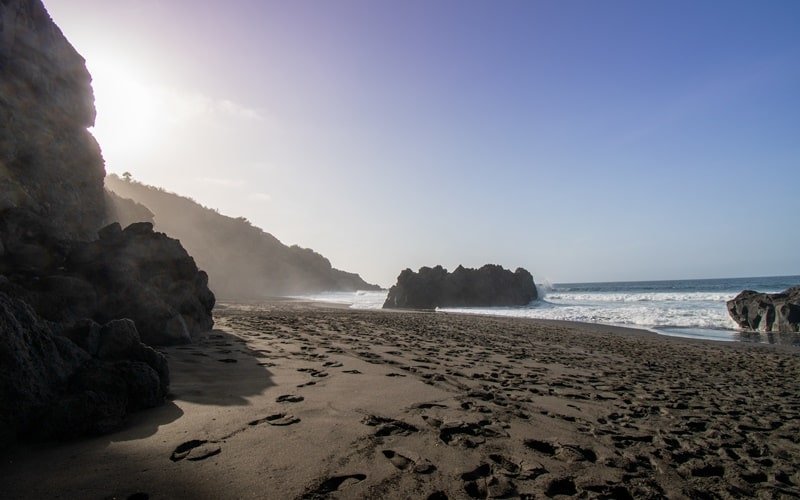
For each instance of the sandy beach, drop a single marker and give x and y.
(299, 400)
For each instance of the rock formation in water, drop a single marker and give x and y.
(489, 286)
(767, 312)
(242, 261)
(76, 312)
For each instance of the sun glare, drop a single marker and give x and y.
(128, 106)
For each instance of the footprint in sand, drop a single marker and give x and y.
(389, 426)
(566, 452)
(333, 484)
(573, 453)
(426, 406)
(194, 450)
(470, 434)
(314, 373)
(561, 486)
(289, 398)
(403, 462)
(353, 372)
(277, 419)
(482, 483)
(507, 467)
(708, 470)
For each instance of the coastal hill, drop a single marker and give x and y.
(242, 261)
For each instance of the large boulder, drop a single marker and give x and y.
(134, 273)
(489, 286)
(767, 312)
(148, 277)
(65, 380)
(35, 365)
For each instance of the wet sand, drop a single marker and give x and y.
(297, 400)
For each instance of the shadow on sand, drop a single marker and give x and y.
(218, 369)
(145, 423)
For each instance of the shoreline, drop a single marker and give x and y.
(579, 325)
(304, 400)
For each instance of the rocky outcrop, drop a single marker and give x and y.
(767, 312)
(62, 373)
(72, 379)
(51, 165)
(489, 286)
(134, 273)
(75, 311)
(52, 200)
(148, 277)
(243, 261)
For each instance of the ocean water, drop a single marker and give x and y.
(356, 300)
(685, 308)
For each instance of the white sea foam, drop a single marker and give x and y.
(649, 310)
(362, 299)
(599, 297)
(650, 316)
(699, 314)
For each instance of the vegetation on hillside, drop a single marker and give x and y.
(242, 261)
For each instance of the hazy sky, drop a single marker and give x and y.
(584, 141)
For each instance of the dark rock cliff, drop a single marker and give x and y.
(134, 273)
(76, 312)
(767, 312)
(50, 164)
(489, 286)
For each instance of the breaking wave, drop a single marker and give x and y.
(689, 308)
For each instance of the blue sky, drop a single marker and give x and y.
(585, 141)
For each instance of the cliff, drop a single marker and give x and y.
(242, 261)
(489, 286)
(77, 312)
(50, 165)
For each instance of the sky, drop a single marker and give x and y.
(584, 141)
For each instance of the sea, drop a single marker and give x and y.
(682, 308)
